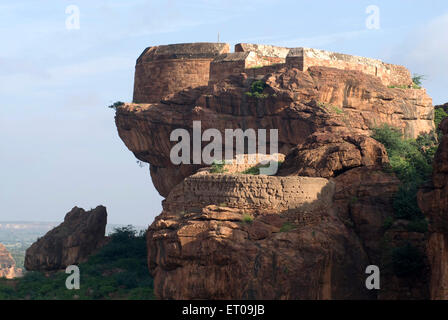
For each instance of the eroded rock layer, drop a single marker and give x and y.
(255, 247)
(297, 103)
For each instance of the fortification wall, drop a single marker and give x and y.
(303, 58)
(272, 54)
(235, 63)
(227, 64)
(254, 60)
(163, 70)
(259, 73)
(264, 193)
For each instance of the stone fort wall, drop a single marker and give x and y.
(257, 192)
(163, 70)
(254, 59)
(390, 74)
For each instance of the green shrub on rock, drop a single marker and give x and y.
(411, 161)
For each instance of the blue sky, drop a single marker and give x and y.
(59, 145)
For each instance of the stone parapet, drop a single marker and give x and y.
(251, 192)
(390, 75)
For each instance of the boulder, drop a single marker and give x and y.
(325, 154)
(72, 242)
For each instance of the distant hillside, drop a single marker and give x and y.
(17, 236)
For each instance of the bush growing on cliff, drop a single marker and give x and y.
(217, 167)
(411, 161)
(256, 90)
(439, 115)
(247, 218)
(255, 170)
(116, 105)
(417, 80)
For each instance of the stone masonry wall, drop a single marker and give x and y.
(253, 59)
(273, 54)
(303, 58)
(264, 193)
(154, 80)
(235, 63)
(226, 65)
(164, 70)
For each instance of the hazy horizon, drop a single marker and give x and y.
(60, 146)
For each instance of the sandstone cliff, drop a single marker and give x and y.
(433, 201)
(310, 231)
(72, 242)
(8, 268)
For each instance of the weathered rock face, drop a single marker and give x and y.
(307, 233)
(364, 202)
(227, 236)
(72, 242)
(299, 104)
(200, 250)
(433, 200)
(326, 155)
(8, 268)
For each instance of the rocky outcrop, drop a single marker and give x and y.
(72, 242)
(433, 200)
(298, 104)
(228, 236)
(253, 246)
(8, 267)
(308, 232)
(364, 199)
(326, 155)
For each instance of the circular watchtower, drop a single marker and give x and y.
(166, 69)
